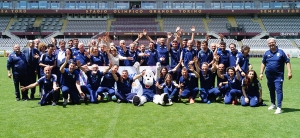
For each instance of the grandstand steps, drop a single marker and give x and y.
(232, 21)
(65, 22)
(205, 23)
(294, 43)
(160, 23)
(109, 24)
(261, 24)
(38, 21)
(240, 43)
(10, 23)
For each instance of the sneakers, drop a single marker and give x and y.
(65, 102)
(118, 101)
(208, 102)
(272, 106)
(278, 111)
(170, 102)
(53, 103)
(17, 99)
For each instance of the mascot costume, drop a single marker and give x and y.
(145, 88)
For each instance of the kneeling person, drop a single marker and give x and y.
(49, 87)
(251, 89)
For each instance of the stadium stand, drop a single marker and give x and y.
(51, 24)
(4, 22)
(288, 24)
(22, 23)
(89, 26)
(248, 24)
(185, 23)
(130, 24)
(218, 24)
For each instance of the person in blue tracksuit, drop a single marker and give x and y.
(18, 63)
(171, 88)
(175, 52)
(222, 83)
(108, 82)
(96, 57)
(188, 54)
(94, 77)
(243, 60)
(188, 87)
(234, 85)
(49, 87)
(207, 91)
(151, 56)
(70, 83)
(234, 53)
(48, 59)
(82, 55)
(223, 54)
(273, 61)
(124, 85)
(252, 91)
(32, 57)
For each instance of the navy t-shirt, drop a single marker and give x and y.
(108, 80)
(47, 84)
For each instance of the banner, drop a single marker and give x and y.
(136, 87)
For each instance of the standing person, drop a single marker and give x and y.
(115, 57)
(60, 57)
(223, 54)
(188, 54)
(133, 54)
(32, 57)
(49, 87)
(243, 60)
(151, 56)
(234, 53)
(273, 61)
(48, 59)
(104, 54)
(18, 63)
(70, 43)
(96, 58)
(82, 55)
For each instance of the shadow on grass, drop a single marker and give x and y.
(289, 110)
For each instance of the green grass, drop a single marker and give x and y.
(28, 119)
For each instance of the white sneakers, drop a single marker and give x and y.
(271, 107)
(170, 102)
(278, 109)
(65, 102)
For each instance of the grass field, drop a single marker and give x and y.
(28, 119)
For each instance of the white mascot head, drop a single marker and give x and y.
(148, 78)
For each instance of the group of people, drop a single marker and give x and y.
(222, 74)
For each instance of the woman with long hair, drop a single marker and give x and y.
(252, 90)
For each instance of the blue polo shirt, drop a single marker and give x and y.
(17, 62)
(163, 52)
(205, 56)
(206, 81)
(153, 57)
(274, 63)
(47, 84)
(99, 60)
(233, 83)
(252, 88)
(105, 58)
(108, 80)
(47, 60)
(82, 58)
(134, 55)
(189, 82)
(69, 79)
(224, 57)
(175, 56)
(243, 62)
(188, 55)
(122, 53)
(170, 87)
(125, 85)
(94, 80)
(233, 58)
